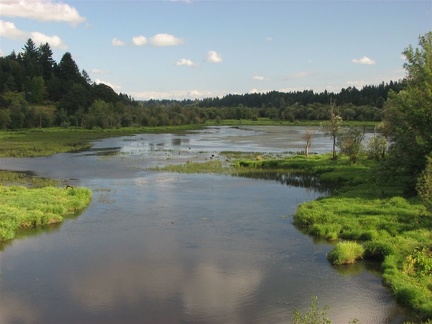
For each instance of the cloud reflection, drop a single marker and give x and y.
(14, 310)
(205, 290)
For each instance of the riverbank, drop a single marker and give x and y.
(393, 230)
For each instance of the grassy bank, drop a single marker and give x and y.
(28, 202)
(393, 230)
(24, 208)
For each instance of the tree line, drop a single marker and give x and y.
(37, 91)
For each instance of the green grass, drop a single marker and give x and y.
(346, 253)
(392, 229)
(10, 178)
(215, 166)
(24, 208)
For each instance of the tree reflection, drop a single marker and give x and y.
(295, 180)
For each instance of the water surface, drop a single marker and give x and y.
(157, 247)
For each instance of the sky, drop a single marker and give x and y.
(194, 49)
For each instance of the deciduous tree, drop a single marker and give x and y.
(350, 143)
(408, 114)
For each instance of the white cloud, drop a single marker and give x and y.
(113, 86)
(161, 40)
(178, 94)
(139, 40)
(364, 60)
(214, 57)
(45, 10)
(117, 42)
(357, 83)
(98, 71)
(258, 78)
(269, 39)
(1, 53)
(185, 62)
(255, 90)
(9, 30)
(53, 41)
(185, 1)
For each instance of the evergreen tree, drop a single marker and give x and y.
(46, 61)
(30, 59)
(67, 70)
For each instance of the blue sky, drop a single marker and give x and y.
(197, 49)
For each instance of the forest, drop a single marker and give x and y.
(37, 91)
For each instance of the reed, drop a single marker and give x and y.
(346, 253)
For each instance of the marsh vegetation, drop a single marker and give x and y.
(23, 208)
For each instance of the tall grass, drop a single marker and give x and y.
(346, 253)
(23, 208)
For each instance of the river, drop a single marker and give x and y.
(158, 247)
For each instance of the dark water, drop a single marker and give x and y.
(156, 247)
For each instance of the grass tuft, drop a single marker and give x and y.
(346, 253)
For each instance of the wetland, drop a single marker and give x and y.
(166, 247)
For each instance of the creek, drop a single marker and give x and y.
(158, 247)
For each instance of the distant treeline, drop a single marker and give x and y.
(370, 95)
(36, 91)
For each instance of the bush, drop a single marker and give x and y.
(424, 184)
(378, 250)
(346, 253)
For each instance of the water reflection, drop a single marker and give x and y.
(179, 141)
(296, 180)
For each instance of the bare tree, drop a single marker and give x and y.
(308, 138)
(333, 126)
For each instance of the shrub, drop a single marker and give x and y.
(346, 253)
(424, 184)
(378, 250)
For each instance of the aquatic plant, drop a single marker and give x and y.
(314, 315)
(346, 253)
